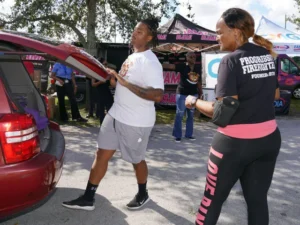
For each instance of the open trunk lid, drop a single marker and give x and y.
(59, 51)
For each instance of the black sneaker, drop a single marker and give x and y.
(191, 138)
(80, 203)
(178, 140)
(137, 202)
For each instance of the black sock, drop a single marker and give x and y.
(90, 191)
(142, 189)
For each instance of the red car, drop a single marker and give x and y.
(31, 147)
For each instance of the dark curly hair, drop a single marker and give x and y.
(152, 24)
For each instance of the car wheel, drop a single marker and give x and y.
(80, 97)
(296, 93)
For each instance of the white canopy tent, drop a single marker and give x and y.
(284, 41)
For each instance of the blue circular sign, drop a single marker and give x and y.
(293, 36)
(210, 66)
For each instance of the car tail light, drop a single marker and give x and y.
(19, 137)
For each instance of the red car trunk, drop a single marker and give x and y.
(31, 156)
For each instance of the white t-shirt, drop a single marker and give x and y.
(142, 69)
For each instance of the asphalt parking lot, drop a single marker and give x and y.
(176, 182)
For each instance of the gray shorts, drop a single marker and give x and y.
(131, 141)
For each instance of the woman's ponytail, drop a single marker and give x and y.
(264, 43)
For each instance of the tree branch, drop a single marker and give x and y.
(55, 18)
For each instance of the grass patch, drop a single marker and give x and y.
(92, 122)
(295, 107)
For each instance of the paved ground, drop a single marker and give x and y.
(176, 183)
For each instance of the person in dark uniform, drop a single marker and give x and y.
(92, 97)
(102, 94)
(66, 86)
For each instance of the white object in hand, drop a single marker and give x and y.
(58, 83)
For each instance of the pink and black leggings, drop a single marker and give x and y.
(252, 161)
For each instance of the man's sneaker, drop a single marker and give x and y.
(80, 203)
(178, 140)
(137, 202)
(191, 138)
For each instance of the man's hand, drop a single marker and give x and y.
(120, 79)
(190, 101)
(60, 81)
(147, 93)
(75, 89)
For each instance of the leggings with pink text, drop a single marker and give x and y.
(252, 161)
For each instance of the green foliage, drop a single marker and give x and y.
(90, 20)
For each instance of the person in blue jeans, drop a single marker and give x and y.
(190, 84)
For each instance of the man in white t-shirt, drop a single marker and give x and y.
(129, 122)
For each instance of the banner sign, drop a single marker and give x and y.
(169, 99)
(211, 63)
(284, 41)
(171, 77)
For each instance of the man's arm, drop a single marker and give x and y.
(113, 82)
(96, 83)
(74, 82)
(53, 76)
(150, 93)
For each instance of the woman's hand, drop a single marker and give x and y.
(190, 101)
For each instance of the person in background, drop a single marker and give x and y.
(92, 99)
(102, 95)
(66, 86)
(246, 147)
(190, 84)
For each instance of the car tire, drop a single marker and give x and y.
(80, 97)
(296, 92)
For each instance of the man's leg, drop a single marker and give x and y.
(98, 171)
(73, 102)
(133, 146)
(61, 102)
(107, 145)
(141, 173)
